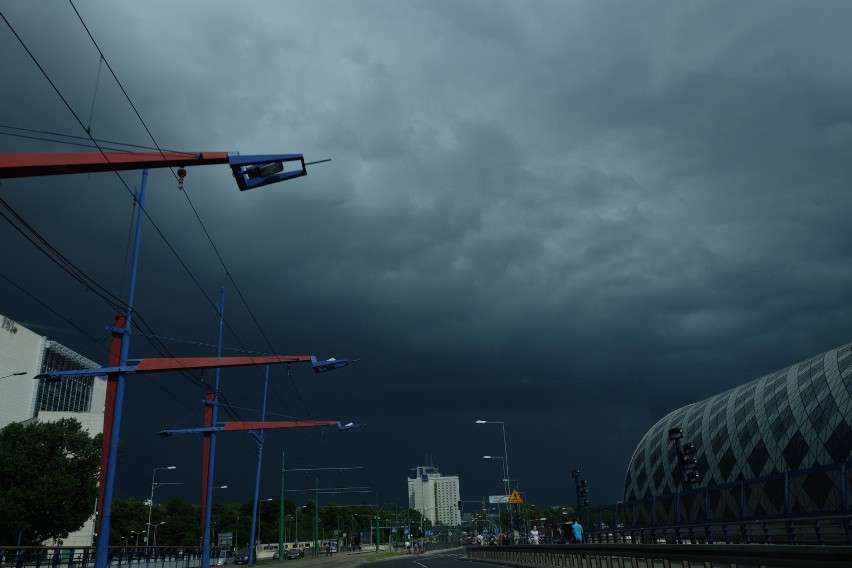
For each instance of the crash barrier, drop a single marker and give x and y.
(664, 555)
(831, 530)
(83, 557)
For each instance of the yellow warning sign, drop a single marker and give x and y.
(515, 498)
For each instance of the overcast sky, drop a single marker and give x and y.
(570, 217)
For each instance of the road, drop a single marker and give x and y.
(437, 559)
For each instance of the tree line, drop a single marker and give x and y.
(49, 487)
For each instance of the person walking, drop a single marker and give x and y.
(577, 529)
(534, 535)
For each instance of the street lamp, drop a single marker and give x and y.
(18, 374)
(260, 518)
(155, 531)
(506, 463)
(154, 485)
(505, 481)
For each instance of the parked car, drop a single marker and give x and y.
(293, 553)
(241, 556)
(225, 557)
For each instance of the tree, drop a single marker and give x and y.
(48, 480)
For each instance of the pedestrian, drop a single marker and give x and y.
(534, 535)
(328, 548)
(577, 528)
(408, 547)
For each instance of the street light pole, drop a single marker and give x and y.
(506, 463)
(505, 481)
(151, 501)
(155, 531)
(249, 171)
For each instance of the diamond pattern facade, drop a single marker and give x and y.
(797, 418)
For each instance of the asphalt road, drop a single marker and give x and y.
(437, 559)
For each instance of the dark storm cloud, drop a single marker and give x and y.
(573, 218)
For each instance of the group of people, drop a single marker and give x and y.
(575, 534)
(413, 547)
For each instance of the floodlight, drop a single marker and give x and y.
(675, 433)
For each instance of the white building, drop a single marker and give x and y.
(23, 398)
(436, 496)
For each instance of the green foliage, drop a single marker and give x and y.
(128, 522)
(48, 480)
(181, 522)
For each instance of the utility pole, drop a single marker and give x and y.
(317, 489)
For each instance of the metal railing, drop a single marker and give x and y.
(668, 556)
(775, 509)
(83, 557)
(830, 530)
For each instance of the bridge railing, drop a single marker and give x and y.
(83, 557)
(805, 506)
(818, 530)
(647, 555)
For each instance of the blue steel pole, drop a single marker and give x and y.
(102, 550)
(205, 546)
(259, 437)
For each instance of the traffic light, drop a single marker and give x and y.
(460, 506)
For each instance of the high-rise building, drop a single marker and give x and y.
(436, 496)
(23, 355)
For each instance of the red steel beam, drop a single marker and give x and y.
(183, 363)
(261, 425)
(28, 165)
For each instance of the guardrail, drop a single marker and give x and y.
(667, 555)
(77, 557)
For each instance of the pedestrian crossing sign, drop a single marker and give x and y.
(515, 498)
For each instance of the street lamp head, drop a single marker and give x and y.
(481, 422)
(18, 374)
(172, 467)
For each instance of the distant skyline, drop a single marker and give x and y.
(572, 218)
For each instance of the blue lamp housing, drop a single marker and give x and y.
(328, 365)
(256, 171)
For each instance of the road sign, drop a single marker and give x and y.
(498, 499)
(515, 498)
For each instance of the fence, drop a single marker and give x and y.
(667, 556)
(807, 506)
(70, 557)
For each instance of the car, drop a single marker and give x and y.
(293, 553)
(276, 555)
(225, 557)
(241, 556)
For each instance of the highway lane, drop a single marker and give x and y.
(451, 558)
